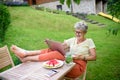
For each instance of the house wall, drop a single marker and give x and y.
(44, 1)
(99, 6)
(51, 5)
(37, 2)
(86, 6)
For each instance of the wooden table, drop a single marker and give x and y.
(34, 71)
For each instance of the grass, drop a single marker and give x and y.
(30, 27)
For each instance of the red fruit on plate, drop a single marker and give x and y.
(52, 62)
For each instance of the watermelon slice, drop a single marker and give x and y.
(52, 62)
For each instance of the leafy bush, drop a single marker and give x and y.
(4, 21)
(114, 8)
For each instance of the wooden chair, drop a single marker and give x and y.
(83, 77)
(5, 57)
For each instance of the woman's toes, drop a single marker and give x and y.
(13, 47)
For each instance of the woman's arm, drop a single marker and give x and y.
(66, 47)
(91, 57)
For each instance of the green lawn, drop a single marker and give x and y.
(29, 28)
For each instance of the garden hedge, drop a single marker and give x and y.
(4, 21)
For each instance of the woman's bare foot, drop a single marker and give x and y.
(20, 53)
(21, 59)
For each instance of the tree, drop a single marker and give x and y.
(69, 3)
(114, 10)
(1, 1)
(4, 21)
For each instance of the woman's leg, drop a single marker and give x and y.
(23, 53)
(30, 58)
(77, 70)
(32, 53)
(38, 55)
(45, 55)
(50, 55)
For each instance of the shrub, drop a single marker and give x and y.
(4, 21)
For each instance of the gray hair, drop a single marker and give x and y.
(81, 25)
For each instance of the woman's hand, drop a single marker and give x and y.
(66, 47)
(81, 57)
(91, 57)
(46, 40)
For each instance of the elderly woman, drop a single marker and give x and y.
(82, 49)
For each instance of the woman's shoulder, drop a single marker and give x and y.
(73, 38)
(90, 42)
(89, 39)
(70, 39)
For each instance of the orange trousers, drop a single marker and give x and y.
(77, 70)
(48, 54)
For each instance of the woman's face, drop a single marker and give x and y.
(79, 33)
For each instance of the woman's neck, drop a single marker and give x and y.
(79, 40)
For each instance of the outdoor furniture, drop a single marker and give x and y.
(84, 74)
(5, 57)
(35, 71)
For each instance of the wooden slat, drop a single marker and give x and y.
(5, 58)
(3, 55)
(2, 65)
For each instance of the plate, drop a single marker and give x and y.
(59, 64)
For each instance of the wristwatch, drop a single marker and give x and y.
(84, 58)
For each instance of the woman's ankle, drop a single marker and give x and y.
(18, 52)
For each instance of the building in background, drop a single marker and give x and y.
(13, 0)
(37, 2)
(85, 6)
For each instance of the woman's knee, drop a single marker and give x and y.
(57, 55)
